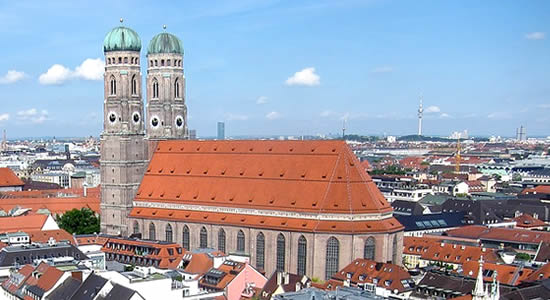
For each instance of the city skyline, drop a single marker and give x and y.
(286, 68)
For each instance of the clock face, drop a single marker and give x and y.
(112, 117)
(179, 121)
(155, 122)
(136, 117)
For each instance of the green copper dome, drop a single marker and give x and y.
(165, 43)
(122, 39)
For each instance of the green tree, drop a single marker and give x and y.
(79, 221)
(523, 256)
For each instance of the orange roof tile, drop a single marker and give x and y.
(22, 223)
(528, 221)
(8, 178)
(43, 236)
(53, 205)
(198, 263)
(506, 274)
(540, 274)
(281, 223)
(500, 234)
(389, 276)
(294, 176)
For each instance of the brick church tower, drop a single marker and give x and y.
(166, 109)
(123, 145)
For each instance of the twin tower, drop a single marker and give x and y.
(129, 136)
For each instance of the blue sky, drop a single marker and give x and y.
(291, 67)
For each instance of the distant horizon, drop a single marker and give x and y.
(278, 67)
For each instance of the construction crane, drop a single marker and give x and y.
(457, 156)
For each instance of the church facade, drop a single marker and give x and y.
(306, 207)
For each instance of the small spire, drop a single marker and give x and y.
(164, 27)
(121, 20)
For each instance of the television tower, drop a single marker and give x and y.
(420, 112)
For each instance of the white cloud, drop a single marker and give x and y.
(89, 69)
(535, 36)
(432, 109)
(12, 76)
(545, 105)
(383, 69)
(56, 74)
(235, 117)
(4, 117)
(273, 115)
(306, 77)
(499, 115)
(33, 115)
(445, 116)
(261, 100)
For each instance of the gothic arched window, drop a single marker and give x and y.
(332, 257)
(112, 90)
(369, 248)
(134, 85)
(185, 239)
(169, 233)
(302, 255)
(281, 247)
(152, 233)
(260, 251)
(221, 240)
(136, 227)
(203, 241)
(177, 88)
(155, 88)
(240, 241)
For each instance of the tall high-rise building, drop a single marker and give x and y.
(221, 131)
(420, 113)
(521, 133)
(123, 147)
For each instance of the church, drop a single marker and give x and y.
(305, 207)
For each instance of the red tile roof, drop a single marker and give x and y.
(389, 276)
(197, 263)
(500, 234)
(541, 189)
(295, 176)
(506, 274)
(8, 178)
(434, 250)
(43, 236)
(540, 274)
(527, 221)
(53, 205)
(22, 223)
(161, 251)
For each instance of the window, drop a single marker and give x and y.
(113, 86)
(155, 88)
(240, 241)
(332, 257)
(260, 251)
(185, 239)
(162, 62)
(152, 234)
(168, 233)
(203, 238)
(134, 85)
(221, 240)
(281, 252)
(302, 255)
(177, 88)
(136, 227)
(369, 248)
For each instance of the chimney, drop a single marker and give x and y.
(279, 278)
(85, 190)
(287, 277)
